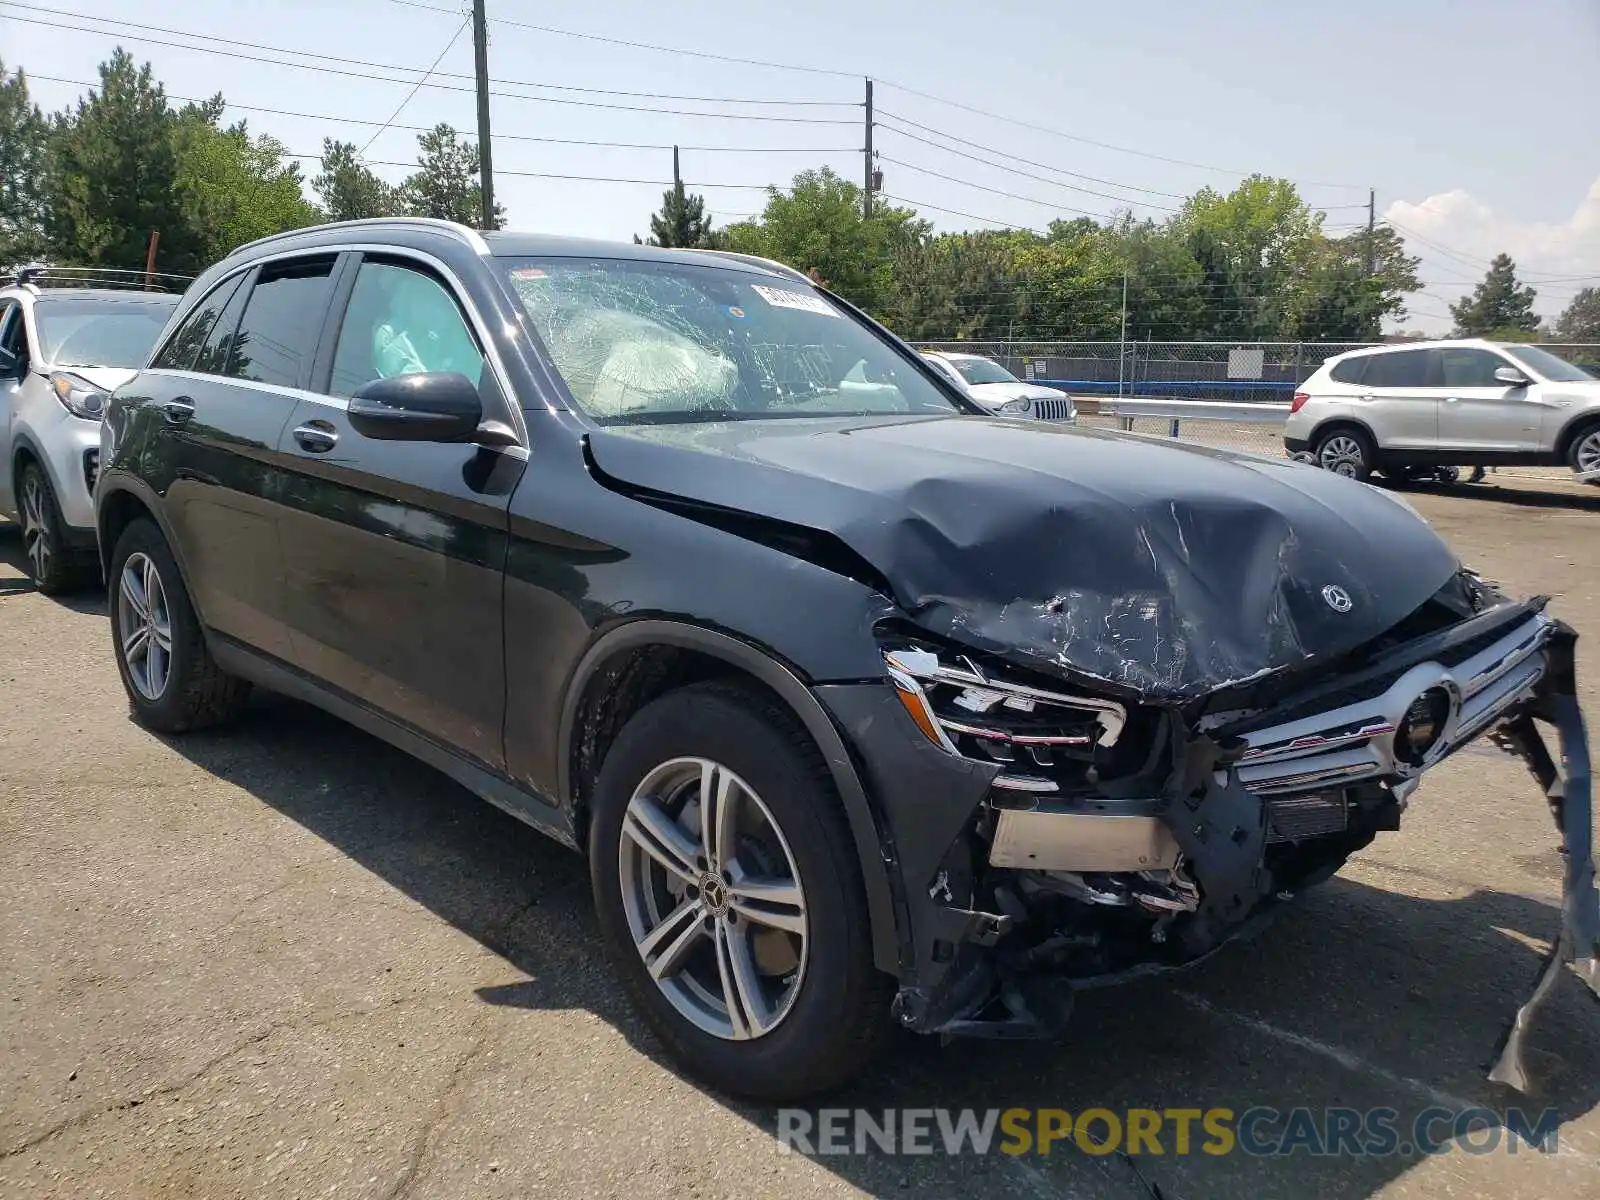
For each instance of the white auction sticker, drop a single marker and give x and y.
(779, 298)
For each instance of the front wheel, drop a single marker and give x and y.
(1585, 454)
(1347, 452)
(728, 892)
(55, 567)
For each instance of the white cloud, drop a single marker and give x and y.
(1466, 233)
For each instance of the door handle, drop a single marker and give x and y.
(179, 410)
(316, 436)
(1452, 399)
(1367, 399)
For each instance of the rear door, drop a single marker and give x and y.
(395, 550)
(1395, 401)
(256, 343)
(1477, 411)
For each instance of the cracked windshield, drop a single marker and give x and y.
(643, 342)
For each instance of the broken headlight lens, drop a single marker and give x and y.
(967, 710)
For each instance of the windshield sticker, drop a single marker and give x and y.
(528, 273)
(779, 298)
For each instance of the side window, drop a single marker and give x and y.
(1466, 367)
(13, 332)
(1350, 370)
(213, 357)
(282, 318)
(184, 346)
(1402, 369)
(401, 320)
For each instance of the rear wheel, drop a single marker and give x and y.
(173, 684)
(1346, 451)
(727, 888)
(1584, 456)
(55, 567)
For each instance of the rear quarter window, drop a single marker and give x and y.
(1402, 369)
(1350, 370)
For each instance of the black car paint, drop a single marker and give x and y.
(463, 601)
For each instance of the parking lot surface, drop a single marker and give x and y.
(284, 960)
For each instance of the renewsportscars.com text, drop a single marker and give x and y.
(1258, 1131)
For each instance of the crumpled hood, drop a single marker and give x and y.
(1169, 569)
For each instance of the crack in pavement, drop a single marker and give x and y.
(312, 1021)
(443, 1113)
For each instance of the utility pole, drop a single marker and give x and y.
(866, 191)
(1122, 346)
(677, 179)
(1372, 221)
(480, 66)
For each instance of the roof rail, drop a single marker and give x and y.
(40, 275)
(465, 232)
(756, 260)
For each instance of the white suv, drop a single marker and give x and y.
(64, 347)
(998, 390)
(1403, 409)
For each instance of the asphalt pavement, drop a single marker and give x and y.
(285, 960)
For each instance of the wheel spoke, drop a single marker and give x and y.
(135, 644)
(719, 814)
(776, 903)
(667, 946)
(133, 593)
(649, 827)
(748, 1011)
(153, 595)
(155, 668)
(162, 632)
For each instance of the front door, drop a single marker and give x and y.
(1479, 413)
(13, 370)
(395, 551)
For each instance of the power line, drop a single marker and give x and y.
(232, 44)
(1026, 174)
(955, 212)
(1127, 187)
(1073, 137)
(743, 187)
(594, 37)
(996, 191)
(498, 137)
(454, 38)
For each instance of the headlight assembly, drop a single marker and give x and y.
(1016, 407)
(78, 396)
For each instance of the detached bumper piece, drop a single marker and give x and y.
(1098, 871)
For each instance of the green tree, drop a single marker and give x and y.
(112, 178)
(1580, 320)
(682, 220)
(349, 191)
(817, 226)
(445, 184)
(24, 137)
(234, 188)
(1332, 298)
(953, 285)
(1499, 306)
(1247, 244)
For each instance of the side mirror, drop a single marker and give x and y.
(1511, 376)
(429, 406)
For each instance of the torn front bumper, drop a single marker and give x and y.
(950, 826)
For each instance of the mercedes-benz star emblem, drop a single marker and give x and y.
(1338, 599)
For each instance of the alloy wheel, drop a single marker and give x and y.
(1586, 455)
(35, 529)
(713, 899)
(1342, 455)
(144, 626)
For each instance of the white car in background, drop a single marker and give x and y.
(1001, 392)
(1400, 410)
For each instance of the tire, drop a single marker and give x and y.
(55, 567)
(1348, 451)
(1584, 453)
(173, 684)
(822, 1001)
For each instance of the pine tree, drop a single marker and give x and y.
(349, 191)
(1499, 306)
(682, 220)
(24, 136)
(445, 184)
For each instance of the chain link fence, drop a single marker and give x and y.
(1240, 372)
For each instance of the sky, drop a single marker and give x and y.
(1474, 121)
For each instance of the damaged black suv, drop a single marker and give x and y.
(865, 706)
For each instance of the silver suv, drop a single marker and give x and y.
(1404, 409)
(63, 350)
